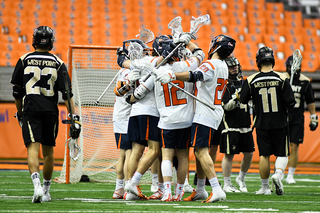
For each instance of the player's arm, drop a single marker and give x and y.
(288, 94)
(230, 102)
(245, 92)
(197, 52)
(309, 97)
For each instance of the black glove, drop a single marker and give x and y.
(122, 57)
(128, 100)
(19, 118)
(313, 122)
(76, 129)
(168, 48)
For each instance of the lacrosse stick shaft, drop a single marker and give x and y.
(194, 97)
(105, 91)
(68, 97)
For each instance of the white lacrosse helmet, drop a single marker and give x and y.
(135, 51)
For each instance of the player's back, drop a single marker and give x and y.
(271, 94)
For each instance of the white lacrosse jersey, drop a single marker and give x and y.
(210, 90)
(121, 109)
(175, 107)
(147, 105)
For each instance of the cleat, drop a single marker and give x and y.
(263, 191)
(156, 196)
(125, 195)
(38, 194)
(131, 196)
(276, 179)
(290, 180)
(230, 188)
(242, 185)
(46, 196)
(154, 187)
(215, 197)
(167, 198)
(176, 197)
(272, 186)
(135, 189)
(187, 188)
(197, 196)
(118, 194)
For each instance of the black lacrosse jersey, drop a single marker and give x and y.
(238, 117)
(40, 75)
(303, 92)
(271, 95)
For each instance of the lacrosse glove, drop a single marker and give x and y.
(19, 118)
(76, 129)
(184, 38)
(313, 122)
(122, 57)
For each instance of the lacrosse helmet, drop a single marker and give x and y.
(135, 51)
(289, 63)
(158, 44)
(43, 37)
(223, 45)
(235, 71)
(265, 55)
(127, 43)
(182, 53)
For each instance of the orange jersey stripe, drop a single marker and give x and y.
(119, 142)
(163, 145)
(210, 64)
(147, 131)
(209, 142)
(195, 136)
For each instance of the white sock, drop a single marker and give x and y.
(201, 185)
(154, 179)
(227, 181)
(119, 183)
(126, 182)
(35, 177)
(186, 181)
(265, 183)
(242, 175)
(46, 185)
(215, 184)
(136, 178)
(281, 163)
(291, 171)
(179, 189)
(161, 186)
(167, 187)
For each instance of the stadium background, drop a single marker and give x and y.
(282, 25)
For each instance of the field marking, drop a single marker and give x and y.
(203, 207)
(153, 204)
(253, 209)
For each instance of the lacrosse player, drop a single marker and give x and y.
(303, 92)
(211, 80)
(272, 96)
(176, 112)
(236, 133)
(37, 78)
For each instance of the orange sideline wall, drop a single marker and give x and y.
(12, 145)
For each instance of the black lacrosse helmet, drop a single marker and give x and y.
(126, 44)
(289, 63)
(233, 63)
(158, 44)
(265, 55)
(43, 37)
(222, 44)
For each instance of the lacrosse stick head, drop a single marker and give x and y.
(146, 36)
(234, 67)
(74, 148)
(223, 45)
(135, 51)
(196, 23)
(158, 43)
(127, 43)
(293, 64)
(175, 26)
(265, 56)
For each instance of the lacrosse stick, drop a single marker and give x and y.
(104, 92)
(175, 26)
(296, 64)
(197, 23)
(146, 36)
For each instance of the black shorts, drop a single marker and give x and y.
(234, 142)
(273, 142)
(142, 128)
(175, 138)
(203, 136)
(122, 141)
(296, 131)
(41, 128)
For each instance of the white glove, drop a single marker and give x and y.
(313, 122)
(165, 76)
(184, 38)
(133, 75)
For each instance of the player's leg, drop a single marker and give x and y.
(166, 168)
(226, 172)
(154, 175)
(119, 190)
(136, 153)
(293, 162)
(182, 155)
(160, 186)
(48, 164)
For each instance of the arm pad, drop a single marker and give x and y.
(140, 92)
(121, 58)
(195, 76)
(18, 92)
(121, 88)
(199, 54)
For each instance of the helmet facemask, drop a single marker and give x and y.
(135, 51)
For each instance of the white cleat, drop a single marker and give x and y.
(215, 197)
(46, 197)
(167, 198)
(154, 187)
(263, 191)
(157, 195)
(200, 195)
(130, 196)
(135, 189)
(276, 179)
(187, 188)
(38, 194)
(118, 194)
(230, 188)
(290, 180)
(242, 185)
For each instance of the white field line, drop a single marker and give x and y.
(253, 209)
(203, 207)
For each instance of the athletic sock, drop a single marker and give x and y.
(136, 178)
(265, 183)
(215, 184)
(186, 181)
(119, 183)
(35, 177)
(291, 171)
(242, 175)
(179, 189)
(227, 181)
(201, 185)
(167, 187)
(161, 186)
(46, 185)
